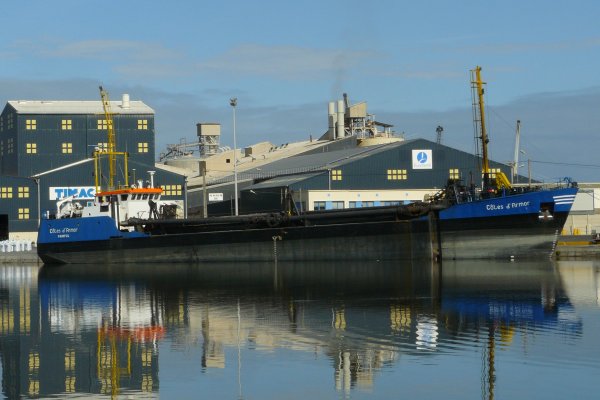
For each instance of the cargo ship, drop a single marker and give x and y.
(495, 220)
(518, 225)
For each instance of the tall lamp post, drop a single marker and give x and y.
(233, 104)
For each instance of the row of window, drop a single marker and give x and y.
(10, 146)
(402, 174)
(6, 192)
(67, 124)
(23, 213)
(339, 205)
(67, 148)
(9, 122)
(171, 190)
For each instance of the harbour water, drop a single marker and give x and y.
(465, 330)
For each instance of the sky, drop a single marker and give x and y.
(284, 61)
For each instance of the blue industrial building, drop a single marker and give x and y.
(45, 147)
(349, 176)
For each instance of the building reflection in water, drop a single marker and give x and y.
(71, 329)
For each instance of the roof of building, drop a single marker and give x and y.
(320, 161)
(282, 181)
(77, 107)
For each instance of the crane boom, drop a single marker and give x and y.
(112, 157)
(500, 181)
(478, 87)
(111, 150)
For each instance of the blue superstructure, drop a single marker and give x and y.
(81, 230)
(535, 202)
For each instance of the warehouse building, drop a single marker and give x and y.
(384, 174)
(46, 149)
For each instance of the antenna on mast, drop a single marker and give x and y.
(439, 131)
(517, 149)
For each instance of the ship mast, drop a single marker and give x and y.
(479, 119)
(500, 180)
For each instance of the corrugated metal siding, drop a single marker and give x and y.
(27, 204)
(83, 137)
(370, 171)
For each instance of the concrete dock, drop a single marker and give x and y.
(28, 257)
(577, 246)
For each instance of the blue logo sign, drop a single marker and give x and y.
(422, 157)
(78, 192)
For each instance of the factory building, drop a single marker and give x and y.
(38, 136)
(357, 162)
(46, 149)
(382, 174)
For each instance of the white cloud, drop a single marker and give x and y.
(111, 49)
(506, 48)
(286, 62)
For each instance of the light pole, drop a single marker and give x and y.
(233, 104)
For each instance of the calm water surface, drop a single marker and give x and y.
(475, 330)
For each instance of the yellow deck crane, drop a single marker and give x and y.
(111, 150)
(501, 181)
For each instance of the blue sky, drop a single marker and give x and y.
(285, 60)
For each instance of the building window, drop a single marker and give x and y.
(1, 123)
(336, 174)
(171, 190)
(6, 193)
(66, 125)
(102, 124)
(70, 384)
(10, 121)
(23, 213)
(10, 148)
(319, 205)
(453, 173)
(30, 124)
(142, 147)
(493, 172)
(142, 124)
(396, 174)
(368, 204)
(30, 148)
(391, 203)
(102, 147)
(23, 192)
(1, 147)
(67, 148)
(337, 205)
(70, 360)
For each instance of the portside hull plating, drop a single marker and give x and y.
(522, 236)
(359, 241)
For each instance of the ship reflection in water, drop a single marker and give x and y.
(381, 330)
